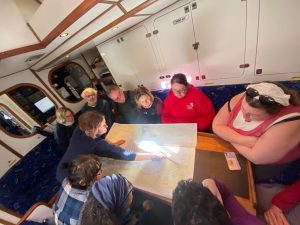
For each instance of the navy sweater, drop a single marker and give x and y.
(81, 144)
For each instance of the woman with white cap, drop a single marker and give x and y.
(263, 123)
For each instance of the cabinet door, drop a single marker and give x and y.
(175, 39)
(117, 60)
(143, 60)
(7, 160)
(131, 59)
(278, 47)
(220, 29)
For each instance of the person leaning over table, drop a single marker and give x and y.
(187, 104)
(86, 139)
(149, 107)
(124, 106)
(262, 123)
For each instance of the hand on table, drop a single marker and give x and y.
(119, 142)
(275, 216)
(158, 156)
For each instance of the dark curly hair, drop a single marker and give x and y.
(194, 204)
(94, 213)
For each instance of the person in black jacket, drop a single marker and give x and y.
(86, 139)
(65, 125)
(124, 104)
(97, 104)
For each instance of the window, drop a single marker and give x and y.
(69, 81)
(10, 124)
(34, 102)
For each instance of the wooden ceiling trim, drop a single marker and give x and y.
(108, 9)
(21, 50)
(136, 15)
(122, 7)
(102, 30)
(69, 20)
(32, 30)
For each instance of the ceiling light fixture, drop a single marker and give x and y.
(115, 28)
(64, 34)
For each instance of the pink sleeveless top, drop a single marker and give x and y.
(262, 127)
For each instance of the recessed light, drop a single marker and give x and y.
(64, 35)
(115, 28)
(67, 56)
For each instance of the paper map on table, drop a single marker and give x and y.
(177, 141)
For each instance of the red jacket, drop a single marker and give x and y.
(194, 107)
(288, 197)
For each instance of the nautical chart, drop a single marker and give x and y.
(177, 141)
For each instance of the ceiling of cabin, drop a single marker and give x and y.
(30, 29)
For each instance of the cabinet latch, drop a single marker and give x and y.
(195, 45)
(187, 9)
(246, 65)
(259, 71)
(194, 5)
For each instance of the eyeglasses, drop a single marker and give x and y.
(264, 99)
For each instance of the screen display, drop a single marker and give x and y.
(44, 104)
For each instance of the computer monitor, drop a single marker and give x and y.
(44, 104)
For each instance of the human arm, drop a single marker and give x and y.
(105, 149)
(234, 208)
(149, 156)
(274, 144)
(221, 129)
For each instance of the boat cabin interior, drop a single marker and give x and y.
(51, 50)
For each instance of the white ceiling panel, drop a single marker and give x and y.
(17, 63)
(126, 24)
(131, 4)
(157, 6)
(88, 31)
(86, 18)
(50, 14)
(20, 35)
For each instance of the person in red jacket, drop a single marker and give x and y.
(285, 207)
(187, 104)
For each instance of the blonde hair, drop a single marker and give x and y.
(139, 92)
(60, 114)
(88, 90)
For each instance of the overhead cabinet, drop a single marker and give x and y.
(278, 46)
(208, 40)
(130, 59)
